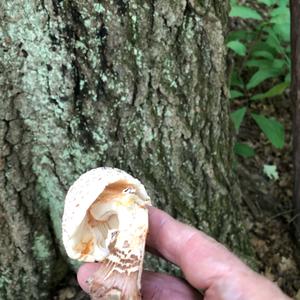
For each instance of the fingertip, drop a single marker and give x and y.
(84, 273)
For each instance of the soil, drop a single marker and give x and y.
(268, 203)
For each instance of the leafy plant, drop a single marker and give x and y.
(262, 70)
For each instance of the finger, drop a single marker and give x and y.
(158, 286)
(153, 251)
(84, 273)
(200, 257)
(154, 285)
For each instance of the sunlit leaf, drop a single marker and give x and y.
(238, 47)
(271, 171)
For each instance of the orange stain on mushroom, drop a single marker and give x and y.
(114, 190)
(85, 248)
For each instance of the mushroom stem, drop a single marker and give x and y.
(119, 275)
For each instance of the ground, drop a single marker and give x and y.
(268, 203)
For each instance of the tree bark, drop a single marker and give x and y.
(295, 93)
(138, 85)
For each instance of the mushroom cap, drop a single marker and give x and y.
(83, 193)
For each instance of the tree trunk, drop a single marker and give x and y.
(138, 85)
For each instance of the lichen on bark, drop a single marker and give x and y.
(138, 85)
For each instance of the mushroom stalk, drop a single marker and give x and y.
(119, 274)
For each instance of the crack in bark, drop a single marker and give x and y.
(122, 7)
(54, 170)
(135, 90)
(152, 18)
(84, 132)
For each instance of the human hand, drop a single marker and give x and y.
(206, 265)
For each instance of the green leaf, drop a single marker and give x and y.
(260, 76)
(259, 63)
(238, 47)
(271, 171)
(264, 54)
(280, 15)
(237, 117)
(273, 41)
(267, 2)
(283, 31)
(244, 12)
(236, 80)
(274, 91)
(273, 130)
(243, 150)
(267, 70)
(278, 64)
(262, 45)
(241, 35)
(283, 2)
(235, 94)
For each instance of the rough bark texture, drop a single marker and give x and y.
(295, 13)
(138, 85)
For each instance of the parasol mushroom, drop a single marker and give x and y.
(106, 221)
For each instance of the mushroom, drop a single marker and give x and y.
(106, 221)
